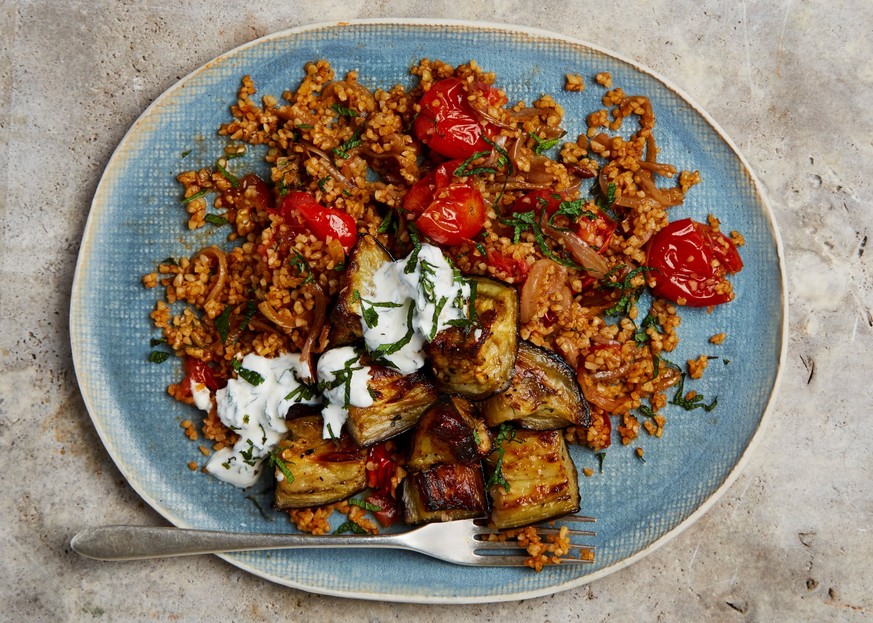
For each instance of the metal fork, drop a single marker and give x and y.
(463, 542)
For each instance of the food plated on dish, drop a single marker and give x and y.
(444, 384)
(643, 492)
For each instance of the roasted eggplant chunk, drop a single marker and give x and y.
(533, 478)
(345, 318)
(398, 402)
(444, 492)
(543, 395)
(478, 361)
(323, 470)
(447, 435)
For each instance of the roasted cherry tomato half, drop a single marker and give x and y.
(326, 223)
(199, 373)
(447, 123)
(456, 214)
(690, 261)
(421, 194)
(509, 266)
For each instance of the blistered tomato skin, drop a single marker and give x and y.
(690, 261)
(456, 214)
(447, 123)
(300, 209)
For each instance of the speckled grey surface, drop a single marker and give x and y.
(789, 81)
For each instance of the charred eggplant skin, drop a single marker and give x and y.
(444, 493)
(544, 393)
(363, 262)
(537, 480)
(445, 435)
(398, 403)
(324, 470)
(478, 361)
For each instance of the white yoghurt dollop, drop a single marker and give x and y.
(256, 412)
(412, 300)
(344, 381)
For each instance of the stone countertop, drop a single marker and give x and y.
(790, 81)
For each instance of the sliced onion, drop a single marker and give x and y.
(218, 256)
(581, 251)
(319, 316)
(534, 289)
(273, 316)
(593, 395)
(328, 164)
(611, 375)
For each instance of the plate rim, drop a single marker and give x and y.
(473, 25)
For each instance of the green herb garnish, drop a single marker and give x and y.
(522, 222)
(505, 434)
(230, 177)
(323, 181)
(196, 195)
(250, 376)
(185, 153)
(544, 144)
(299, 262)
(344, 111)
(279, 464)
(463, 169)
(222, 323)
(342, 151)
(215, 219)
(158, 356)
(367, 506)
(689, 404)
(350, 526)
(600, 456)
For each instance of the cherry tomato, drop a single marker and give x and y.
(691, 260)
(199, 372)
(509, 266)
(456, 214)
(420, 195)
(447, 123)
(255, 191)
(493, 96)
(596, 231)
(326, 223)
(381, 466)
(388, 513)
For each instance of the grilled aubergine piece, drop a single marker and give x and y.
(446, 434)
(445, 480)
(479, 360)
(543, 395)
(398, 402)
(444, 492)
(363, 262)
(323, 470)
(533, 478)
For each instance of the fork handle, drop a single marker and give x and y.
(139, 542)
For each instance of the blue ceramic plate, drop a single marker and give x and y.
(136, 221)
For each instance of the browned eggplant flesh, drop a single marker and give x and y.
(533, 478)
(478, 361)
(543, 395)
(311, 471)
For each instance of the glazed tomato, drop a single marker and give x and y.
(299, 208)
(420, 195)
(690, 261)
(456, 214)
(447, 123)
(255, 191)
(199, 372)
(538, 200)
